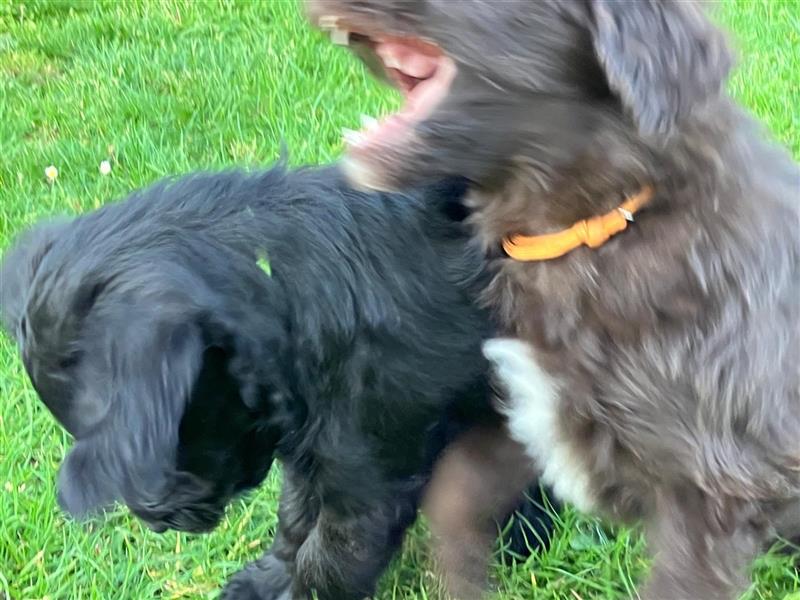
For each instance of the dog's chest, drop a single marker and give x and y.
(564, 371)
(545, 306)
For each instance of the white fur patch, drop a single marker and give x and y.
(532, 406)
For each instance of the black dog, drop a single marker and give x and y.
(188, 335)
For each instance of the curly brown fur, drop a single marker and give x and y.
(667, 362)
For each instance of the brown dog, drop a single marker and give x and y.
(654, 375)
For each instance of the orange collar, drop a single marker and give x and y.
(592, 232)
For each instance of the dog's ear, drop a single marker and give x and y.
(130, 453)
(661, 57)
(84, 483)
(18, 268)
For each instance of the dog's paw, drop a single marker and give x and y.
(267, 579)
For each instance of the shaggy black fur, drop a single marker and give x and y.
(188, 335)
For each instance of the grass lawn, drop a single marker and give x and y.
(163, 87)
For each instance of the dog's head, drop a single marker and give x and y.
(483, 80)
(133, 352)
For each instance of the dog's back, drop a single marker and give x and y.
(191, 333)
(371, 295)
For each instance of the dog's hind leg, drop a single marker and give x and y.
(343, 558)
(702, 546)
(271, 576)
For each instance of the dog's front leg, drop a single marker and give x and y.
(343, 557)
(271, 577)
(702, 546)
(268, 578)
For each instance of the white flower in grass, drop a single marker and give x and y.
(105, 167)
(51, 173)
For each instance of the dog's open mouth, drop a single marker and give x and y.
(419, 69)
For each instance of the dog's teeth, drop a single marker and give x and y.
(352, 138)
(340, 37)
(368, 122)
(328, 21)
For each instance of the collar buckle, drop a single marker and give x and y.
(626, 213)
